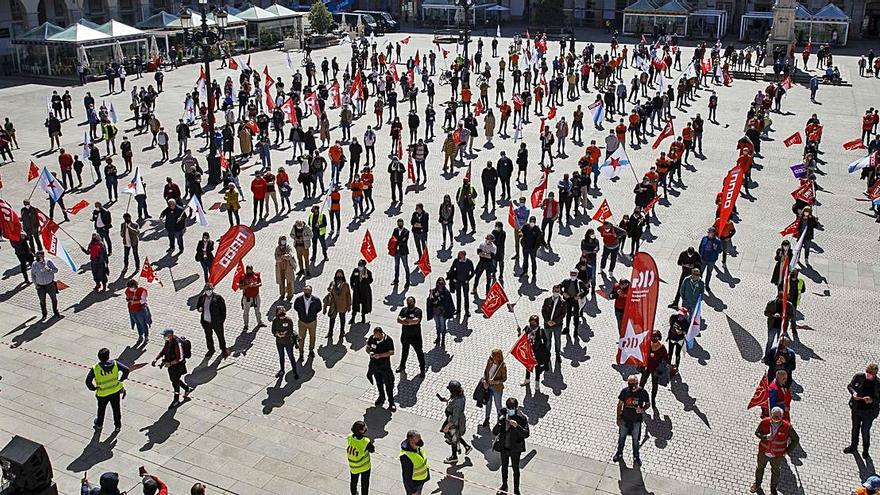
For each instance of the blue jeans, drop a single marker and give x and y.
(634, 430)
(398, 259)
(139, 321)
(493, 396)
(708, 268)
(591, 275)
(175, 235)
(440, 324)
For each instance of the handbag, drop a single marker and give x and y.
(392, 246)
(480, 394)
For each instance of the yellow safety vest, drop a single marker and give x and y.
(107, 382)
(420, 463)
(358, 456)
(321, 230)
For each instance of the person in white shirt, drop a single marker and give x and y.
(486, 264)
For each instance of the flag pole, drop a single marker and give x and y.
(33, 190)
(71, 237)
(128, 204)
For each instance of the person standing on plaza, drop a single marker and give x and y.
(455, 424)
(205, 254)
(101, 220)
(174, 218)
(419, 224)
(138, 311)
(494, 376)
(510, 432)
(620, 295)
(414, 463)
(446, 217)
(361, 283)
(553, 312)
(710, 248)
(285, 266)
(401, 253)
(130, 233)
(173, 356)
(410, 320)
(631, 405)
(301, 235)
(105, 379)
(440, 308)
(183, 135)
(540, 348)
(864, 404)
(285, 340)
(380, 347)
(30, 225)
(531, 240)
(233, 204)
(318, 227)
(691, 290)
(307, 310)
(687, 260)
(655, 367)
(43, 276)
(777, 438)
(777, 311)
(258, 189)
(486, 254)
(358, 450)
(466, 199)
(337, 302)
(611, 235)
(459, 275)
(250, 296)
(98, 262)
(212, 308)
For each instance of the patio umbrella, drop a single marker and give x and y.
(360, 26)
(154, 49)
(82, 57)
(117, 53)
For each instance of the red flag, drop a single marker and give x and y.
(405, 41)
(761, 397)
(522, 352)
(425, 262)
(792, 229)
(793, 139)
(269, 81)
(237, 276)
(335, 95)
(668, 131)
(706, 66)
(467, 173)
(603, 213)
(805, 193)
(394, 73)
(638, 315)
(312, 101)
(543, 120)
(478, 109)
(410, 170)
(10, 223)
(551, 114)
(148, 274)
(252, 126)
(368, 249)
(231, 248)
(729, 193)
(233, 65)
(47, 233)
(650, 205)
(855, 144)
(61, 285)
(538, 191)
(33, 171)
(644, 41)
(270, 102)
(78, 207)
(290, 109)
(223, 163)
(874, 192)
(786, 83)
(400, 149)
(728, 79)
(511, 214)
(495, 298)
(355, 84)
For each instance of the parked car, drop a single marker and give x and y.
(350, 20)
(388, 23)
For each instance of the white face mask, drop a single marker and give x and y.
(555, 295)
(209, 293)
(573, 278)
(282, 243)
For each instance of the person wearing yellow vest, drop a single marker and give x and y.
(358, 451)
(318, 224)
(414, 463)
(105, 379)
(778, 438)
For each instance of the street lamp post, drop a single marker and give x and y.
(206, 38)
(466, 6)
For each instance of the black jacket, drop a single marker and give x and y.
(217, 308)
(402, 236)
(205, 251)
(461, 271)
(856, 386)
(511, 439)
(105, 217)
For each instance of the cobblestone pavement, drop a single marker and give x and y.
(702, 436)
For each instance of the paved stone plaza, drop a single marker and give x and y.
(247, 432)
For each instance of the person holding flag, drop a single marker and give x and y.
(540, 346)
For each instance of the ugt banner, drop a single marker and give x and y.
(638, 316)
(234, 244)
(729, 193)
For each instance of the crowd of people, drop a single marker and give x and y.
(255, 113)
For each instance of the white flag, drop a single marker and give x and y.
(136, 184)
(85, 144)
(696, 322)
(289, 61)
(517, 133)
(113, 117)
(196, 207)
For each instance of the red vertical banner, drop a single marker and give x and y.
(729, 193)
(641, 307)
(233, 245)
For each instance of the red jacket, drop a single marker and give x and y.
(551, 208)
(776, 445)
(258, 187)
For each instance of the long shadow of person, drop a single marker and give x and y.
(631, 481)
(332, 353)
(680, 389)
(554, 380)
(749, 347)
(376, 419)
(574, 352)
(437, 358)
(459, 330)
(243, 343)
(357, 335)
(661, 430)
(160, 431)
(275, 395)
(31, 331)
(130, 355)
(699, 353)
(536, 405)
(204, 372)
(482, 441)
(94, 453)
(453, 482)
(408, 390)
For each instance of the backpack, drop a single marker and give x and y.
(186, 346)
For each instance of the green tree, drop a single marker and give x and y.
(320, 18)
(549, 13)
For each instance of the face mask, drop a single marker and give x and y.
(209, 293)
(572, 278)
(282, 243)
(633, 386)
(870, 376)
(420, 443)
(510, 412)
(339, 279)
(555, 295)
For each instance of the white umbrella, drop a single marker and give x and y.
(154, 49)
(82, 56)
(117, 53)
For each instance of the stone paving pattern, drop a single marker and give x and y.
(245, 432)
